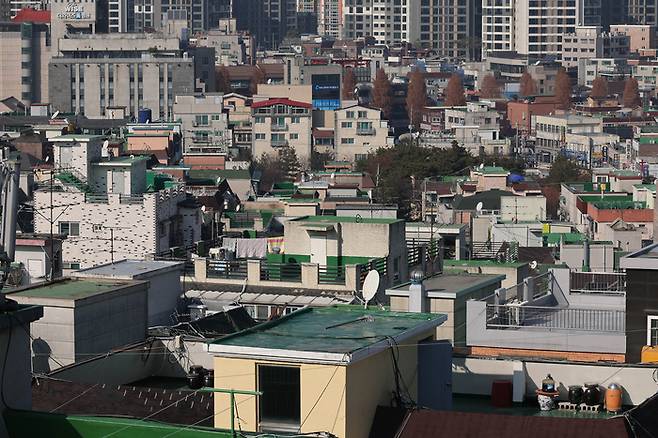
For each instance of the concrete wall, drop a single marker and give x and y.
(522, 208)
(601, 257)
(475, 376)
(537, 338)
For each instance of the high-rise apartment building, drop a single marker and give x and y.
(642, 11)
(534, 27)
(388, 21)
(449, 28)
(330, 18)
(268, 20)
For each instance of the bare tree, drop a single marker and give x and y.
(563, 89)
(349, 83)
(528, 86)
(222, 79)
(632, 93)
(490, 88)
(382, 96)
(454, 92)
(599, 88)
(416, 97)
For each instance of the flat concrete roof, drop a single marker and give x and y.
(129, 269)
(449, 285)
(68, 289)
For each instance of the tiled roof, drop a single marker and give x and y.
(29, 15)
(280, 101)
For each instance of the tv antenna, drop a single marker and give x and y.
(370, 286)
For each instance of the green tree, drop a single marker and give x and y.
(565, 170)
(270, 169)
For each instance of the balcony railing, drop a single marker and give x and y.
(602, 283)
(365, 131)
(279, 128)
(510, 316)
(380, 265)
(131, 199)
(281, 272)
(331, 274)
(233, 269)
(279, 143)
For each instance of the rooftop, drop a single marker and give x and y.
(346, 219)
(645, 258)
(469, 263)
(337, 334)
(450, 285)
(124, 160)
(68, 289)
(129, 269)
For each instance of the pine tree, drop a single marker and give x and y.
(454, 92)
(599, 88)
(563, 89)
(290, 165)
(382, 94)
(416, 97)
(528, 86)
(349, 83)
(632, 94)
(490, 88)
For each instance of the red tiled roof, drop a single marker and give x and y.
(29, 15)
(280, 101)
(323, 133)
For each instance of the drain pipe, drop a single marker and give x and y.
(586, 255)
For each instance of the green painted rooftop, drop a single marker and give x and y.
(214, 174)
(651, 187)
(69, 289)
(621, 172)
(492, 170)
(336, 329)
(346, 219)
(556, 238)
(123, 160)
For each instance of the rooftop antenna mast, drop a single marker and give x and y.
(9, 182)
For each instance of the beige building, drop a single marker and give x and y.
(238, 108)
(78, 16)
(643, 36)
(281, 122)
(24, 54)
(204, 123)
(490, 177)
(359, 131)
(329, 384)
(591, 42)
(551, 131)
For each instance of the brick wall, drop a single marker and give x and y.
(542, 354)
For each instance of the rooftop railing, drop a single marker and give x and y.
(229, 269)
(510, 316)
(602, 283)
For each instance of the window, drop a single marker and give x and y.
(279, 383)
(349, 114)
(652, 330)
(260, 136)
(201, 120)
(363, 114)
(259, 119)
(69, 228)
(294, 136)
(215, 116)
(97, 228)
(347, 141)
(346, 124)
(295, 119)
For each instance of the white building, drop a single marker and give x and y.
(591, 42)
(102, 206)
(204, 123)
(359, 130)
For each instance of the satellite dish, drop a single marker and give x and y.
(47, 158)
(203, 208)
(533, 264)
(479, 206)
(481, 166)
(54, 115)
(237, 208)
(370, 286)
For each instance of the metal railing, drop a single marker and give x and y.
(96, 198)
(281, 272)
(279, 143)
(279, 128)
(331, 274)
(380, 265)
(413, 256)
(229, 269)
(365, 131)
(604, 283)
(555, 318)
(131, 199)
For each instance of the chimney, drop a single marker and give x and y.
(417, 294)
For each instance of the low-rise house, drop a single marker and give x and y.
(551, 132)
(279, 123)
(319, 371)
(83, 318)
(116, 216)
(359, 131)
(164, 286)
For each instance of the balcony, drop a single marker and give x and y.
(365, 131)
(279, 143)
(279, 128)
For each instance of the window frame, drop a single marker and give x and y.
(649, 319)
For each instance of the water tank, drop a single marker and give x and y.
(144, 115)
